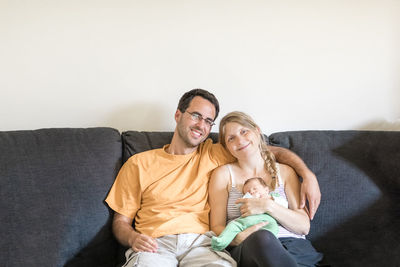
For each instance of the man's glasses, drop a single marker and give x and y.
(196, 117)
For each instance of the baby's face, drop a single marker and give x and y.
(256, 189)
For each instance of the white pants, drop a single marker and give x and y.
(189, 250)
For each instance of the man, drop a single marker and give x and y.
(165, 192)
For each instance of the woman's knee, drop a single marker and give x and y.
(263, 238)
(262, 248)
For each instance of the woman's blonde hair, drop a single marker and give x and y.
(246, 121)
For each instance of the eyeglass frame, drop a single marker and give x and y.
(197, 117)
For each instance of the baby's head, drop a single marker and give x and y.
(256, 187)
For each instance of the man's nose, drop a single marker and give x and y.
(202, 125)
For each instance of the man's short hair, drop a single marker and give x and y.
(187, 97)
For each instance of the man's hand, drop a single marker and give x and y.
(244, 234)
(143, 243)
(309, 188)
(127, 236)
(310, 191)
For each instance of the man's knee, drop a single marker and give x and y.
(148, 259)
(205, 256)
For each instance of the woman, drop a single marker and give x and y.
(243, 138)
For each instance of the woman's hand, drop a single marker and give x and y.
(251, 206)
(244, 234)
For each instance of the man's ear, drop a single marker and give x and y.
(178, 114)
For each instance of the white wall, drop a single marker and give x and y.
(292, 65)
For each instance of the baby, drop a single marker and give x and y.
(252, 188)
(257, 188)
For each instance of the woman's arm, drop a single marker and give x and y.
(309, 186)
(218, 198)
(294, 218)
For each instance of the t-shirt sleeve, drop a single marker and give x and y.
(220, 155)
(125, 194)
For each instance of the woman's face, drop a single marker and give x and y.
(240, 140)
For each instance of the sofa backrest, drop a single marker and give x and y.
(135, 141)
(52, 186)
(358, 221)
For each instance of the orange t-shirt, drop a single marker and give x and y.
(167, 194)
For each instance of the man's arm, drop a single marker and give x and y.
(309, 187)
(127, 236)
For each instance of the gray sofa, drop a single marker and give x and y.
(53, 183)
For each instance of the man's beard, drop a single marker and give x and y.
(184, 135)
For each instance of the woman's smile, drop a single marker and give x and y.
(244, 147)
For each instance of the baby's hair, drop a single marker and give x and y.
(260, 180)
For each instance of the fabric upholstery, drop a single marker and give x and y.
(358, 221)
(52, 186)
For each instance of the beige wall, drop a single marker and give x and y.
(292, 65)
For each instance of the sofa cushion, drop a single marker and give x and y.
(52, 186)
(358, 221)
(137, 141)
